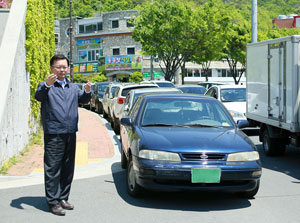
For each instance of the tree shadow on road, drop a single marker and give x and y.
(184, 201)
(37, 202)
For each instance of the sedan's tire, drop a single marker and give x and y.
(250, 194)
(133, 188)
(116, 125)
(123, 159)
(100, 108)
(105, 115)
(271, 147)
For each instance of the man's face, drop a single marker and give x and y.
(60, 69)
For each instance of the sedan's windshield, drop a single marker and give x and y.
(184, 112)
(233, 94)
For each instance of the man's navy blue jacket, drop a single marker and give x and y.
(59, 108)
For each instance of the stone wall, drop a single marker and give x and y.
(14, 85)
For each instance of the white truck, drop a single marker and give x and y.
(273, 95)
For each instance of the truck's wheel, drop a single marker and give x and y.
(272, 148)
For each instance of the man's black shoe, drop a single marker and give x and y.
(58, 210)
(66, 205)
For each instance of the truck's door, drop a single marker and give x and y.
(277, 81)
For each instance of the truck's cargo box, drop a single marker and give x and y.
(273, 69)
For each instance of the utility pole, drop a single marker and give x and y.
(70, 34)
(151, 65)
(151, 68)
(254, 21)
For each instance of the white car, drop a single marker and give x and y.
(107, 98)
(233, 98)
(118, 100)
(160, 83)
(134, 94)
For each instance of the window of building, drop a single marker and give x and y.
(115, 24)
(221, 73)
(81, 28)
(116, 51)
(130, 51)
(88, 55)
(196, 73)
(208, 74)
(90, 28)
(67, 32)
(56, 38)
(99, 26)
(189, 73)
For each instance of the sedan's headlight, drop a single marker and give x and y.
(236, 114)
(243, 156)
(158, 155)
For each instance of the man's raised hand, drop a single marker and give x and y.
(51, 79)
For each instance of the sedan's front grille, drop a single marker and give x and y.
(203, 156)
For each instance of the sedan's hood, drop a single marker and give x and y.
(178, 139)
(236, 106)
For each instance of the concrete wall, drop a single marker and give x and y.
(3, 18)
(14, 85)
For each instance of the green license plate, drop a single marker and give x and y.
(208, 175)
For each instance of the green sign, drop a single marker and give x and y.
(155, 74)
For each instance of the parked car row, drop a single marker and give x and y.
(171, 140)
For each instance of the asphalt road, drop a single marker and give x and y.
(102, 198)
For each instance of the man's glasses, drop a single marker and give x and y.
(60, 68)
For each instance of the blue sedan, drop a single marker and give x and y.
(174, 142)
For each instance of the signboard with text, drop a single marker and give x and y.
(85, 67)
(123, 63)
(92, 43)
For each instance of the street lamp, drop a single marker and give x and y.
(70, 34)
(254, 21)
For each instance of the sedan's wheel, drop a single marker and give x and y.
(100, 108)
(105, 115)
(250, 194)
(116, 126)
(123, 159)
(133, 188)
(270, 147)
(97, 107)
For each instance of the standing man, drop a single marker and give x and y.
(59, 112)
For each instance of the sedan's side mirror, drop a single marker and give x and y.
(126, 121)
(242, 124)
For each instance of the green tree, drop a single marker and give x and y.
(99, 78)
(136, 77)
(211, 22)
(238, 36)
(113, 5)
(160, 29)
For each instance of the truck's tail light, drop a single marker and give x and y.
(121, 100)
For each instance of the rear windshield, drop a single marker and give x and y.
(164, 84)
(126, 90)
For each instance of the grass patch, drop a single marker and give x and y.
(35, 139)
(8, 164)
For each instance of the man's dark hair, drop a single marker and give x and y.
(58, 57)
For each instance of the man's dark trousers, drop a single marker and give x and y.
(59, 161)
